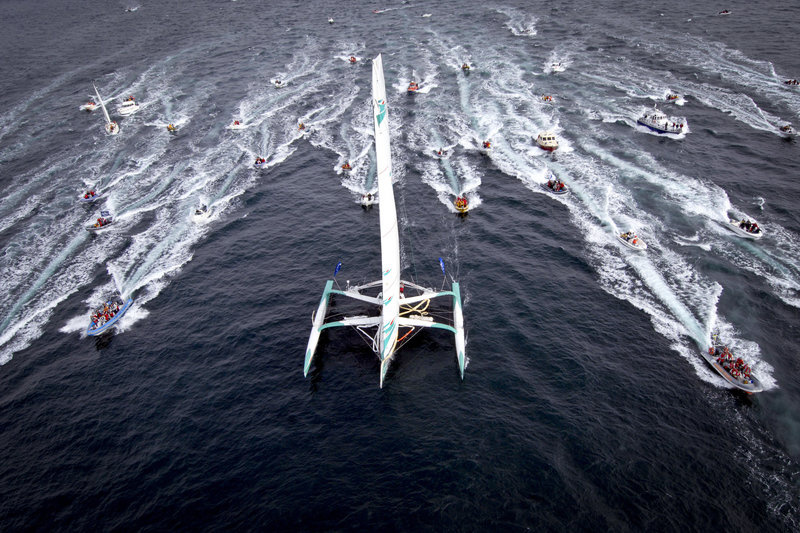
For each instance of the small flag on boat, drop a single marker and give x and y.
(105, 214)
(441, 264)
(338, 267)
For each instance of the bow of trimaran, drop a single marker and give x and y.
(401, 315)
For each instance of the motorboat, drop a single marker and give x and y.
(413, 87)
(260, 162)
(441, 153)
(631, 240)
(279, 84)
(788, 131)
(461, 204)
(103, 221)
(555, 185)
(792, 82)
(547, 98)
(107, 315)
(353, 59)
(88, 106)
(90, 196)
(330, 21)
(547, 141)
(486, 147)
(557, 67)
(672, 97)
(128, 107)
(367, 199)
(733, 369)
(745, 228)
(465, 67)
(657, 121)
(346, 167)
(236, 125)
(172, 129)
(724, 12)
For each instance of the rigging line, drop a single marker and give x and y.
(407, 233)
(416, 308)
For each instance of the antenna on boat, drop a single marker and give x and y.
(336, 271)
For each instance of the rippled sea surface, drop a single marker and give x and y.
(585, 405)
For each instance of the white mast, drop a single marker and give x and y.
(111, 128)
(390, 240)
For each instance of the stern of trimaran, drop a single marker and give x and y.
(398, 310)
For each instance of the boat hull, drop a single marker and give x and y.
(565, 190)
(90, 199)
(640, 246)
(733, 225)
(99, 228)
(127, 111)
(755, 386)
(108, 325)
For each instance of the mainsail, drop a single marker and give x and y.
(390, 240)
(102, 105)
(398, 310)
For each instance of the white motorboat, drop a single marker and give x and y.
(745, 228)
(657, 121)
(631, 240)
(128, 107)
(279, 84)
(788, 131)
(733, 369)
(547, 141)
(368, 199)
(236, 125)
(557, 67)
(486, 148)
(88, 106)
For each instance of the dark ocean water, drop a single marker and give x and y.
(585, 405)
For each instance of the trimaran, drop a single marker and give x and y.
(112, 128)
(398, 309)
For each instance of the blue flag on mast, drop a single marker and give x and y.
(338, 267)
(441, 264)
